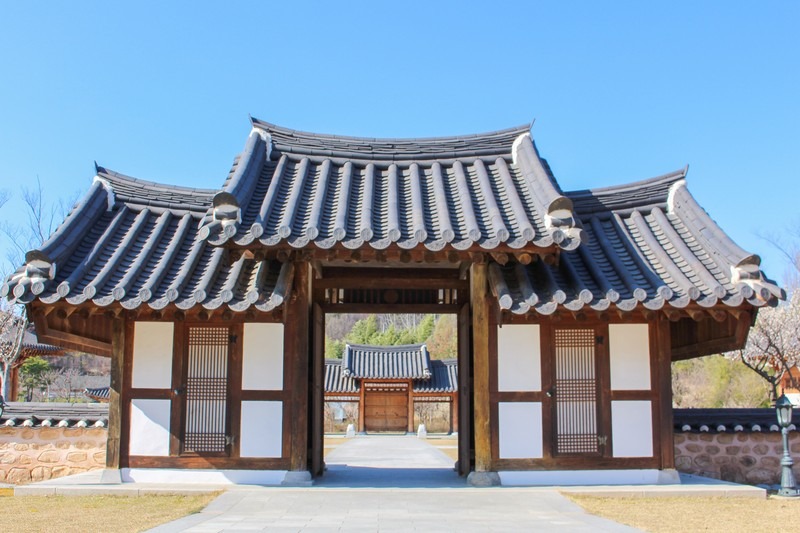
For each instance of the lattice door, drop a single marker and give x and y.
(206, 406)
(575, 393)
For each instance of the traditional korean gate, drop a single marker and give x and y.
(386, 407)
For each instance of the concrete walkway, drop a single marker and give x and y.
(387, 461)
(370, 510)
(390, 483)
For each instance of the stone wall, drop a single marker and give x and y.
(30, 454)
(742, 457)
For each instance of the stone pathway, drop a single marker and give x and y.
(391, 483)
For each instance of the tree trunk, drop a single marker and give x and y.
(4, 389)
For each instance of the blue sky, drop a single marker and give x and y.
(620, 91)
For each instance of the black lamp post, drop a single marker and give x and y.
(788, 486)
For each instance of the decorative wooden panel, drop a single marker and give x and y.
(575, 392)
(206, 390)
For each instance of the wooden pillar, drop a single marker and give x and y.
(361, 404)
(664, 387)
(410, 407)
(454, 413)
(115, 397)
(480, 355)
(464, 392)
(318, 394)
(297, 323)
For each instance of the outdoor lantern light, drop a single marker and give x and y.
(788, 486)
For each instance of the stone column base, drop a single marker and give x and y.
(483, 479)
(299, 478)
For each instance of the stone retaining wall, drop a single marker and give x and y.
(30, 454)
(742, 457)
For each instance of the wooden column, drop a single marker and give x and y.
(664, 393)
(454, 413)
(480, 361)
(297, 346)
(464, 392)
(318, 394)
(410, 407)
(115, 397)
(361, 403)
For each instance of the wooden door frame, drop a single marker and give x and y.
(317, 399)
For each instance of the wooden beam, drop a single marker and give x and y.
(115, 398)
(480, 353)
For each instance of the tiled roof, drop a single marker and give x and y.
(100, 394)
(728, 420)
(650, 244)
(135, 242)
(36, 414)
(646, 244)
(409, 361)
(303, 188)
(444, 378)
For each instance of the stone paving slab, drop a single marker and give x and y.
(430, 510)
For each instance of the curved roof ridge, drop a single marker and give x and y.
(416, 345)
(489, 144)
(274, 128)
(650, 191)
(115, 177)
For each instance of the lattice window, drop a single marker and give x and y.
(575, 392)
(206, 390)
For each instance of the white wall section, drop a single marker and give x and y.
(519, 358)
(262, 429)
(149, 433)
(632, 428)
(152, 355)
(262, 363)
(520, 425)
(629, 351)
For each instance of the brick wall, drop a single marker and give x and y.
(742, 457)
(30, 454)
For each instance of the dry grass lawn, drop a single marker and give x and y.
(80, 514)
(447, 445)
(684, 514)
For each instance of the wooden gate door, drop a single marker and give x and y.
(575, 391)
(205, 427)
(386, 407)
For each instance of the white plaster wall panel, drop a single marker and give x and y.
(262, 361)
(629, 351)
(262, 429)
(149, 433)
(632, 428)
(152, 355)
(520, 425)
(519, 358)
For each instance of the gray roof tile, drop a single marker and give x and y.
(645, 244)
(301, 188)
(114, 247)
